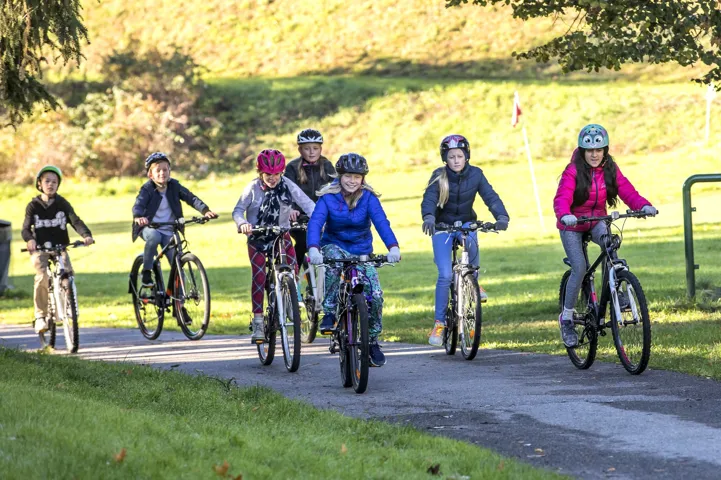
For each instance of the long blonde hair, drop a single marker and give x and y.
(303, 177)
(443, 189)
(352, 199)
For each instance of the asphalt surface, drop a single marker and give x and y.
(598, 423)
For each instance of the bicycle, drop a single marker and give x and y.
(464, 316)
(187, 294)
(350, 337)
(62, 298)
(621, 290)
(280, 283)
(311, 282)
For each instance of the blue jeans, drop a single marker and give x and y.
(442, 252)
(153, 238)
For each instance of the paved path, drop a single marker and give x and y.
(599, 423)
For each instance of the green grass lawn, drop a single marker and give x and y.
(521, 268)
(62, 417)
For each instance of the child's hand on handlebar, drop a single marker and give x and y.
(294, 215)
(316, 258)
(88, 241)
(210, 214)
(569, 220)
(394, 255)
(32, 245)
(142, 221)
(246, 228)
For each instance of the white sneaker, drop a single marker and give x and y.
(41, 326)
(258, 334)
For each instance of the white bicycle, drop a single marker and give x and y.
(311, 284)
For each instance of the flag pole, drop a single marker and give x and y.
(516, 114)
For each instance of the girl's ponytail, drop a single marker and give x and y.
(443, 189)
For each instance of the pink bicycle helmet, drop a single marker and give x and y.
(271, 162)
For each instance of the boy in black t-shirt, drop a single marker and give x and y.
(46, 219)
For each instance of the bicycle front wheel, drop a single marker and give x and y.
(68, 295)
(192, 297)
(149, 304)
(631, 332)
(470, 317)
(450, 332)
(584, 353)
(290, 331)
(47, 338)
(266, 350)
(308, 321)
(358, 343)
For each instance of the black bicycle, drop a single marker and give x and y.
(464, 316)
(622, 292)
(350, 337)
(62, 298)
(280, 316)
(187, 294)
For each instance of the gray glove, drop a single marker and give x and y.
(316, 258)
(569, 220)
(502, 223)
(394, 255)
(429, 225)
(649, 210)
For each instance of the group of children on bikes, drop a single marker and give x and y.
(341, 206)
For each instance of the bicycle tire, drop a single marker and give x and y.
(290, 335)
(631, 337)
(68, 294)
(584, 354)
(266, 350)
(450, 332)
(343, 351)
(192, 307)
(51, 332)
(150, 325)
(309, 321)
(358, 348)
(472, 317)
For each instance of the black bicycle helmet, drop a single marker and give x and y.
(351, 163)
(155, 158)
(309, 135)
(455, 141)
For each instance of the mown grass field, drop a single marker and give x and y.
(66, 418)
(521, 267)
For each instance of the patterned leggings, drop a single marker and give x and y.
(257, 270)
(372, 290)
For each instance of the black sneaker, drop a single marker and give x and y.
(327, 324)
(568, 332)
(147, 278)
(376, 355)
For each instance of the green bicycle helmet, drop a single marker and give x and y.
(48, 168)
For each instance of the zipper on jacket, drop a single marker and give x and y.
(595, 201)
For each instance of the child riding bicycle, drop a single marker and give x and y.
(311, 172)
(590, 181)
(346, 207)
(159, 201)
(46, 219)
(267, 201)
(449, 198)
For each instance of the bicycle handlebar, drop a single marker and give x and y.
(485, 227)
(180, 221)
(377, 260)
(56, 248)
(615, 216)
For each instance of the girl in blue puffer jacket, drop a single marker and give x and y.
(449, 198)
(346, 207)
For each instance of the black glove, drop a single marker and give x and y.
(502, 223)
(429, 225)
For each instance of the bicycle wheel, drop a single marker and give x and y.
(308, 321)
(266, 350)
(583, 354)
(450, 333)
(192, 297)
(631, 332)
(149, 305)
(343, 351)
(290, 331)
(470, 317)
(47, 338)
(68, 295)
(358, 343)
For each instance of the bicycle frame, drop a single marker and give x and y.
(277, 268)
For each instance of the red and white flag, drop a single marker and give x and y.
(516, 110)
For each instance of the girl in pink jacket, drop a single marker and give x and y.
(588, 183)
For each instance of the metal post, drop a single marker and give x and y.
(691, 267)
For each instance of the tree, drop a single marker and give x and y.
(607, 33)
(30, 29)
